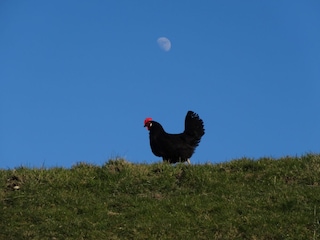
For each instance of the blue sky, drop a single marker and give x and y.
(78, 78)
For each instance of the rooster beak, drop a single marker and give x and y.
(147, 125)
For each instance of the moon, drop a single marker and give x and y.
(164, 43)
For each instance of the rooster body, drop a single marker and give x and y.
(175, 147)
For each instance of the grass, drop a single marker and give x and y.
(242, 199)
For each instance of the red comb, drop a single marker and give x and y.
(147, 120)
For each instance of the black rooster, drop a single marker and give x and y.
(175, 147)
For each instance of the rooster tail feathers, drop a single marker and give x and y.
(194, 126)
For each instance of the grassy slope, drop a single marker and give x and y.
(242, 199)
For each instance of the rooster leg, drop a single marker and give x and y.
(188, 161)
(165, 160)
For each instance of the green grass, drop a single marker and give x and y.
(242, 199)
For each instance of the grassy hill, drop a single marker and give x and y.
(242, 199)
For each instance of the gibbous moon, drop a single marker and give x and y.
(164, 43)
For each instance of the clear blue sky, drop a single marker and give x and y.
(77, 78)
